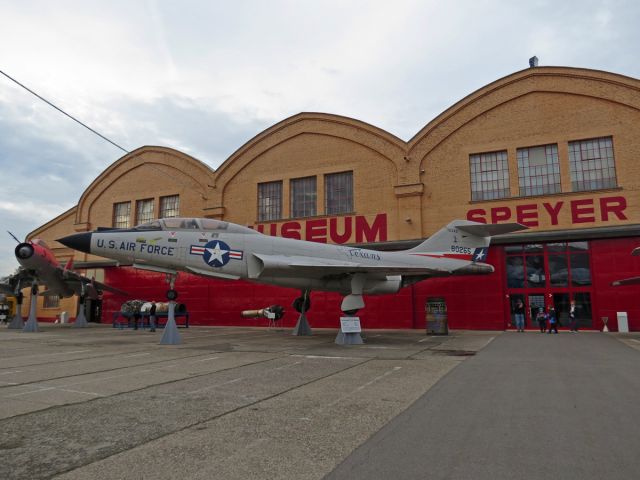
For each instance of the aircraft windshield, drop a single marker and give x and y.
(40, 242)
(155, 225)
(209, 224)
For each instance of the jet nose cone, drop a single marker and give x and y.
(78, 241)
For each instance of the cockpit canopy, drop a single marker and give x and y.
(204, 224)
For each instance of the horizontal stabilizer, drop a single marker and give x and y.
(490, 229)
(626, 281)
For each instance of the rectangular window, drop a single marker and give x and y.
(592, 164)
(122, 215)
(489, 176)
(269, 201)
(169, 206)
(538, 170)
(338, 188)
(303, 197)
(144, 211)
(51, 301)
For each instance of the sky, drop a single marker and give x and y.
(206, 76)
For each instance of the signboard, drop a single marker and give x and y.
(350, 324)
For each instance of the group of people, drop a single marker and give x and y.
(547, 321)
(137, 316)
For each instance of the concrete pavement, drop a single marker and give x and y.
(531, 406)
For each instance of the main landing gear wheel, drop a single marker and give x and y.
(172, 295)
(302, 303)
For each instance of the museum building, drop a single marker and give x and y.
(554, 148)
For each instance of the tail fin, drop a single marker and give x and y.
(465, 239)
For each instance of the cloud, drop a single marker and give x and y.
(204, 77)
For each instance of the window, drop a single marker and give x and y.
(566, 265)
(269, 201)
(338, 189)
(592, 164)
(122, 215)
(169, 206)
(538, 170)
(489, 176)
(144, 211)
(303, 197)
(51, 301)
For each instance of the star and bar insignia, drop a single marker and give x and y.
(216, 253)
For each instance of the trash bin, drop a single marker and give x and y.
(436, 315)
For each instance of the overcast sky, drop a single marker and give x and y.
(205, 76)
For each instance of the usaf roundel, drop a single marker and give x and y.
(216, 253)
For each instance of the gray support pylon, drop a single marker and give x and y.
(32, 321)
(349, 339)
(171, 336)
(302, 327)
(81, 319)
(17, 323)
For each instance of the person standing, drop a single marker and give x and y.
(573, 322)
(541, 318)
(152, 317)
(553, 320)
(518, 311)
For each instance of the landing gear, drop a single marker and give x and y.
(81, 318)
(171, 336)
(302, 305)
(32, 321)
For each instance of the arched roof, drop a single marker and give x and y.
(358, 132)
(198, 174)
(576, 81)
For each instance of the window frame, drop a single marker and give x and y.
(146, 219)
(342, 202)
(589, 179)
(172, 208)
(479, 178)
(269, 206)
(534, 179)
(117, 219)
(309, 205)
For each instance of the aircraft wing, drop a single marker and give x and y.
(7, 289)
(626, 281)
(75, 281)
(325, 267)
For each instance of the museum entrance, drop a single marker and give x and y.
(545, 275)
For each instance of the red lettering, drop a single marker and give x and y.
(615, 205)
(371, 233)
(500, 214)
(553, 211)
(582, 211)
(261, 228)
(477, 215)
(273, 229)
(527, 215)
(291, 230)
(316, 230)
(333, 230)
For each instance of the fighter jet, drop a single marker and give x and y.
(632, 280)
(38, 264)
(218, 249)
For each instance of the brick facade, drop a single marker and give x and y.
(421, 184)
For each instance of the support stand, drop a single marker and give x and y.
(171, 336)
(81, 319)
(17, 323)
(32, 322)
(349, 333)
(303, 327)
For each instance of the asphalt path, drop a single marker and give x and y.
(528, 406)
